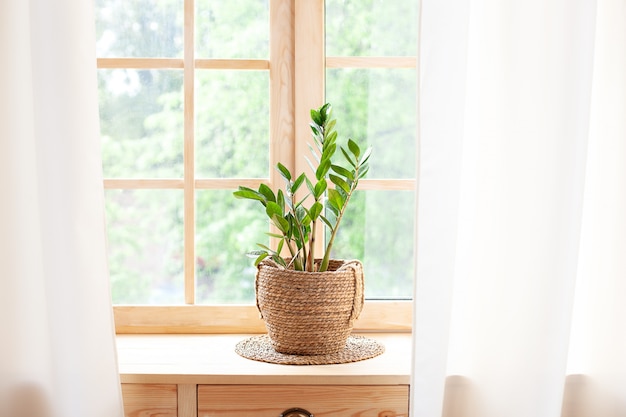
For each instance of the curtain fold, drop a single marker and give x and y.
(58, 354)
(520, 214)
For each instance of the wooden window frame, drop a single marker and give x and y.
(297, 67)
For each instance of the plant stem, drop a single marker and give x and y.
(292, 251)
(300, 260)
(326, 259)
(311, 258)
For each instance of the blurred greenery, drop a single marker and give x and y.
(232, 141)
(142, 137)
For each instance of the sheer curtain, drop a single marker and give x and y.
(521, 266)
(57, 348)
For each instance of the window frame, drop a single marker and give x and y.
(297, 67)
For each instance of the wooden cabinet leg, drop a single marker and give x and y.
(187, 400)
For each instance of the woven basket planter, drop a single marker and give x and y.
(309, 313)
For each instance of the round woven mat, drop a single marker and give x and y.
(358, 348)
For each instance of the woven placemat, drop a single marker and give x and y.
(358, 348)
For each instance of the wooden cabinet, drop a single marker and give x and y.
(321, 401)
(162, 400)
(202, 376)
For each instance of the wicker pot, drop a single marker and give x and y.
(309, 313)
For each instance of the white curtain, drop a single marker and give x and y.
(521, 268)
(57, 347)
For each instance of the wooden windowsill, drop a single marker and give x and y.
(211, 359)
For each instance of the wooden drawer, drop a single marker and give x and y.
(319, 400)
(150, 400)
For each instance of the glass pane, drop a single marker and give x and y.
(141, 123)
(377, 107)
(232, 29)
(226, 229)
(139, 28)
(232, 124)
(145, 235)
(371, 27)
(378, 230)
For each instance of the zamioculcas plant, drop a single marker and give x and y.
(297, 218)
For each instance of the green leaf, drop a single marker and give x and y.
(339, 182)
(274, 235)
(322, 169)
(363, 171)
(265, 248)
(297, 183)
(274, 209)
(315, 210)
(320, 187)
(249, 194)
(289, 203)
(336, 199)
(255, 253)
(290, 223)
(330, 125)
(328, 152)
(310, 186)
(354, 148)
(330, 139)
(342, 171)
(325, 112)
(260, 258)
(267, 192)
(280, 200)
(366, 156)
(306, 221)
(327, 222)
(348, 157)
(284, 171)
(300, 213)
(279, 260)
(317, 117)
(279, 248)
(296, 237)
(303, 216)
(281, 223)
(317, 130)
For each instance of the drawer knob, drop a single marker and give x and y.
(296, 412)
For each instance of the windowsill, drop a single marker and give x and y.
(211, 359)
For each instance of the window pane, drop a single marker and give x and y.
(377, 107)
(144, 231)
(371, 27)
(232, 29)
(378, 230)
(139, 28)
(141, 123)
(232, 124)
(227, 229)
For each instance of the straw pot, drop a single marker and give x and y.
(309, 313)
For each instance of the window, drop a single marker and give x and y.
(371, 81)
(200, 96)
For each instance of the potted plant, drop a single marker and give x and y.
(308, 300)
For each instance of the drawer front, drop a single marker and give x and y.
(150, 400)
(321, 401)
